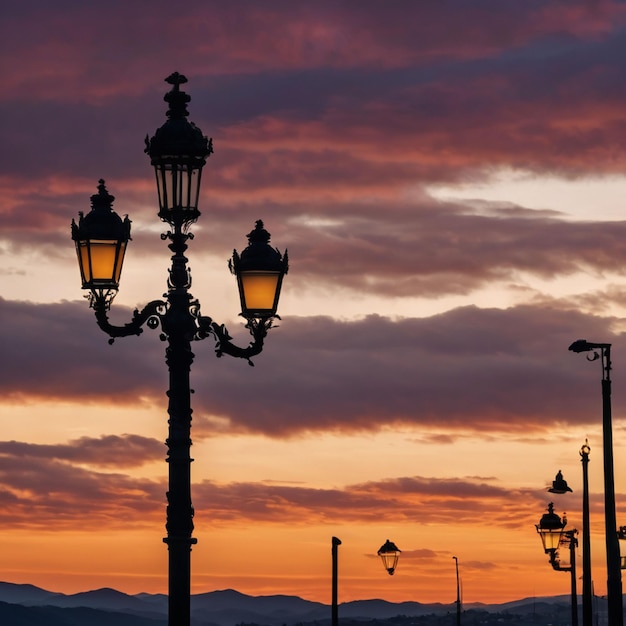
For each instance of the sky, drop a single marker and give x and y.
(448, 177)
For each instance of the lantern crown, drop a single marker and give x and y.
(178, 137)
(102, 222)
(101, 237)
(550, 520)
(259, 255)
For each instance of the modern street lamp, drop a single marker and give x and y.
(553, 534)
(334, 610)
(602, 351)
(178, 152)
(389, 554)
(458, 593)
(560, 486)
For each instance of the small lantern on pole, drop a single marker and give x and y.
(178, 152)
(389, 554)
(101, 237)
(259, 270)
(550, 529)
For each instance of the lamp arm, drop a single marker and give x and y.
(150, 314)
(223, 345)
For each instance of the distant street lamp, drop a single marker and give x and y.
(550, 529)
(178, 152)
(602, 352)
(553, 534)
(458, 593)
(335, 607)
(389, 554)
(560, 486)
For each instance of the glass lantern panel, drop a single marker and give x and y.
(100, 262)
(550, 539)
(82, 250)
(259, 290)
(178, 185)
(119, 260)
(390, 560)
(103, 255)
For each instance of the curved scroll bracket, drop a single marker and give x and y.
(223, 345)
(151, 315)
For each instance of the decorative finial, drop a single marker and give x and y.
(176, 98)
(103, 199)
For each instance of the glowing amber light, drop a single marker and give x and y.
(260, 290)
(550, 529)
(101, 261)
(259, 270)
(101, 237)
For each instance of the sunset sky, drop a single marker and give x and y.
(449, 179)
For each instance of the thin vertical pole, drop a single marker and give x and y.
(587, 589)
(572, 551)
(458, 593)
(614, 574)
(335, 611)
(179, 357)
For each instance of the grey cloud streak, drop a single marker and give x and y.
(42, 486)
(469, 368)
(106, 451)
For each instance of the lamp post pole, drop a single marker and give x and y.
(570, 536)
(602, 351)
(559, 485)
(335, 611)
(587, 584)
(458, 593)
(178, 152)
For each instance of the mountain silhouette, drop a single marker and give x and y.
(27, 605)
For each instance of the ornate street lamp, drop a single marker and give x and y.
(602, 352)
(560, 486)
(389, 554)
(553, 534)
(101, 237)
(178, 152)
(550, 529)
(259, 271)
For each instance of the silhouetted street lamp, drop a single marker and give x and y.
(550, 529)
(560, 486)
(334, 610)
(458, 593)
(553, 534)
(389, 554)
(178, 152)
(602, 351)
